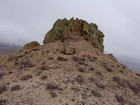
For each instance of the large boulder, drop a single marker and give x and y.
(31, 45)
(75, 29)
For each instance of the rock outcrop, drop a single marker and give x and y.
(31, 45)
(75, 29)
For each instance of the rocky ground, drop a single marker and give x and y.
(66, 73)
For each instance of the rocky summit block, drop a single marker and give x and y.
(31, 45)
(75, 29)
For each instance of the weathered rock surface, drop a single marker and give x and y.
(75, 29)
(31, 45)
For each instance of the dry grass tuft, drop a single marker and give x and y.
(134, 88)
(26, 77)
(75, 59)
(52, 86)
(59, 58)
(95, 93)
(81, 69)
(99, 85)
(3, 89)
(26, 64)
(79, 79)
(2, 74)
(15, 88)
(3, 101)
(50, 58)
(120, 99)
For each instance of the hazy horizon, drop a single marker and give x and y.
(23, 21)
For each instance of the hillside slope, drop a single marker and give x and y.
(68, 70)
(46, 75)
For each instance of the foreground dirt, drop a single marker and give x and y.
(48, 75)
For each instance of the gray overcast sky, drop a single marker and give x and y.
(22, 21)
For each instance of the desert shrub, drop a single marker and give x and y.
(26, 77)
(95, 93)
(138, 74)
(50, 58)
(12, 58)
(26, 64)
(92, 79)
(10, 72)
(16, 63)
(81, 63)
(3, 89)
(3, 101)
(124, 66)
(100, 85)
(82, 59)
(52, 86)
(90, 58)
(44, 67)
(43, 77)
(109, 69)
(99, 73)
(75, 89)
(1, 65)
(134, 88)
(120, 99)
(79, 79)
(2, 74)
(53, 94)
(16, 87)
(91, 69)
(116, 79)
(37, 72)
(62, 58)
(75, 59)
(26, 52)
(123, 83)
(119, 66)
(121, 71)
(19, 56)
(80, 69)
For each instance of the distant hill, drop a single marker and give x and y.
(7, 48)
(130, 62)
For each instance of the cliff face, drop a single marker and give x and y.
(75, 29)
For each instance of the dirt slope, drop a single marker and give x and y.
(66, 73)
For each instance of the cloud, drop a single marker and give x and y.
(23, 21)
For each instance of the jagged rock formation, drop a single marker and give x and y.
(66, 72)
(31, 45)
(75, 29)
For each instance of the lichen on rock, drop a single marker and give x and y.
(75, 28)
(31, 45)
